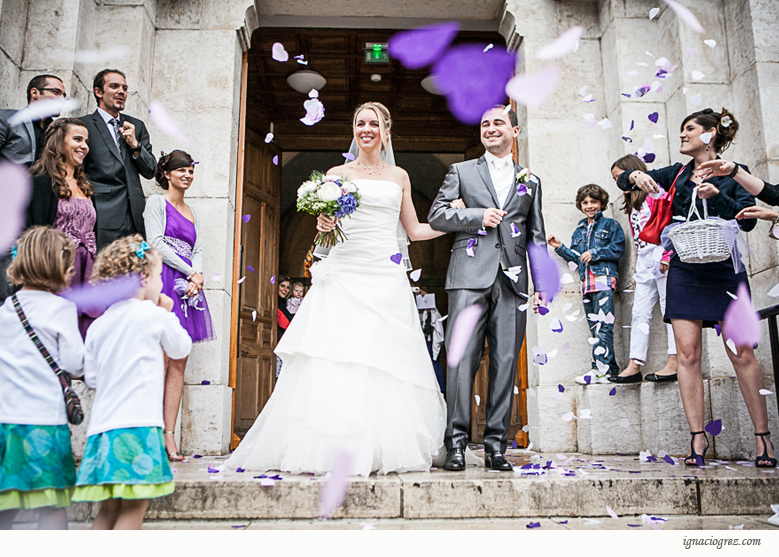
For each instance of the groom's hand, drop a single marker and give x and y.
(539, 299)
(492, 217)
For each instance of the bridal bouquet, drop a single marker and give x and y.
(332, 196)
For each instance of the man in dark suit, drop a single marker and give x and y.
(23, 144)
(488, 267)
(119, 153)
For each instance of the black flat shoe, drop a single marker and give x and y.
(455, 460)
(635, 378)
(660, 378)
(696, 459)
(496, 461)
(764, 457)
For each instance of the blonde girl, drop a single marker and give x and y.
(125, 463)
(36, 461)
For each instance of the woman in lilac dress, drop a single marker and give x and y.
(62, 197)
(173, 228)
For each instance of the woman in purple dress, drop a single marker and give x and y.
(173, 228)
(62, 197)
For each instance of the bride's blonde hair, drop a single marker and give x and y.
(385, 120)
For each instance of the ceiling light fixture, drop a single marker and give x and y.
(305, 80)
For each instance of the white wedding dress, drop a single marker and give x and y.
(356, 376)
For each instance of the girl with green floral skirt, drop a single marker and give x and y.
(36, 461)
(125, 463)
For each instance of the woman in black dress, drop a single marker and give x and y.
(697, 294)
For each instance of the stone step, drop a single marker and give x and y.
(629, 487)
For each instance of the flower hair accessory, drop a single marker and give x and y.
(14, 251)
(142, 249)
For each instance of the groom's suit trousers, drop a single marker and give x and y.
(504, 328)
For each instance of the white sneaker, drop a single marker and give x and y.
(594, 379)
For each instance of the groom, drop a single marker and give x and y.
(488, 267)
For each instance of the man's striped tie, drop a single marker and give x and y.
(117, 134)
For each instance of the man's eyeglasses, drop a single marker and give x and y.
(57, 92)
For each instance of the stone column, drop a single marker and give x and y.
(196, 75)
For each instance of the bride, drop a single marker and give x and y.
(357, 376)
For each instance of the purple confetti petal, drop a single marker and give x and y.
(561, 388)
(562, 45)
(714, 428)
(521, 190)
(166, 123)
(613, 391)
(276, 160)
(533, 525)
(588, 379)
(635, 525)
(205, 382)
(653, 117)
(246, 218)
(546, 276)
(15, 191)
(240, 470)
(632, 124)
(718, 329)
(685, 15)
(669, 460)
(472, 80)
(533, 89)
(481, 233)
(417, 48)
(334, 491)
(273, 279)
(514, 445)
(649, 158)
(197, 456)
(462, 331)
(315, 111)
(543, 310)
(213, 470)
(348, 156)
(397, 258)
(250, 268)
(239, 526)
(93, 298)
(742, 323)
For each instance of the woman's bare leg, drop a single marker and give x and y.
(174, 388)
(688, 346)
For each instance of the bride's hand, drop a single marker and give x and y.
(324, 223)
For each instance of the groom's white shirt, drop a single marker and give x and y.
(502, 175)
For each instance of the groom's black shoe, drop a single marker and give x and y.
(496, 461)
(455, 460)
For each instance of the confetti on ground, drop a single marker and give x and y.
(533, 525)
(611, 512)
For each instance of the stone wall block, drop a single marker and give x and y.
(216, 216)
(13, 22)
(713, 62)
(663, 423)
(737, 440)
(12, 94)
(85, 40)
(533, 18)
(209, 361)
(203, 81)
(179, 14)
(764, 14)
(206, 419)
(50, 37)
(548, 431)
(130, 26)
(749, 110)
(585, 14)
(768, 77)
(603, 434)
(740, 43)
(227, 15)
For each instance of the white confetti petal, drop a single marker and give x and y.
(605, 124)
(523, 307)
(415, 275)
(572, 266)
(611, 512)
(765, 392)
(585, 414)
(279, 53)
(566, 279)
(732, 345)
(531, 391)
(624, 423)
(653, 13)
(696, 100)
(711, 43)
(593, 340)
(516, 390)
(268, 137)
(567, 417)
(774, 292)
(478, 399)
(240, 280)
(42, 109)
(695, 75)
(254, 315)
(644, 328)
(562, 45)
(567, 306)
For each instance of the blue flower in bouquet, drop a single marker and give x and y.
(347, 204)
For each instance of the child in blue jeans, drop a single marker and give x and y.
(596, 246)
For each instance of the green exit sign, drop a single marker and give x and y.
(376, 53)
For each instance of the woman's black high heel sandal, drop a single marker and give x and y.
(696, 459)
(764, 457)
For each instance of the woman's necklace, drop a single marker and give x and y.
(371, 170)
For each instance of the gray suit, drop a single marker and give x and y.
(480, 280)
(17, 143)
(116, 179)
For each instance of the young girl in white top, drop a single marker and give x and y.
(36, 462)
(125, 463)
(651, 274)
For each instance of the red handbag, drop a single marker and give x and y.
(662, 214)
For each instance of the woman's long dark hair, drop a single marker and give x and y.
(633, 199)
(52, 161)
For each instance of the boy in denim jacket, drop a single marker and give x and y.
(596, 246)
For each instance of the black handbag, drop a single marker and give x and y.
(72, 403)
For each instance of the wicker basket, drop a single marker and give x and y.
(699, 241)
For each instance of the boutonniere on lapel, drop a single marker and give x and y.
(521, 180)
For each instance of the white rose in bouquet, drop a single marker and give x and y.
(329, 192)
(349, 187)
(306, 188)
